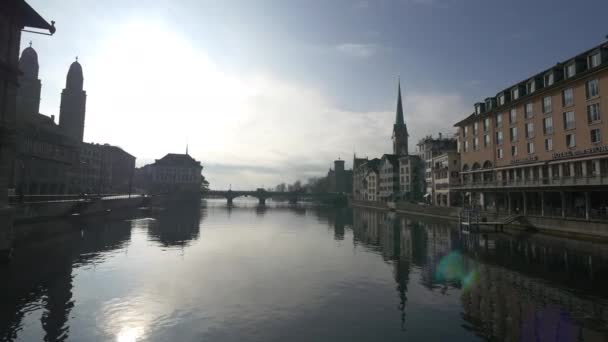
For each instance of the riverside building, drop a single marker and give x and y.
(540, 146)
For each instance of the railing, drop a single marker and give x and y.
(538, 182)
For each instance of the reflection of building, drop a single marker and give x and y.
(172, 173)
(340, 180)
(177, 226)
(540, 145)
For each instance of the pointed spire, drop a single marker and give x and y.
(399, 117)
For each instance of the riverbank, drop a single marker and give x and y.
(596, 230)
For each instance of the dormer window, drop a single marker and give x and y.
(531, 86)
(490, 103)
(594, 60)
(570, 70)
(479, 108)
(501, 99)
(515, 93)
(549, 79)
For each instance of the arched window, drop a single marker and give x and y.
(476, 166)
(465, 168)
(487, 164)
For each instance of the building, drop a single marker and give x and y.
(389, 177)
(446, 178)
(539, 146)
(14, 16)
(73, 103)
(105, 169)
(411, 178)
(46, 159)
(387, 181)
(173, 173)
(430, 148)
(339, 179)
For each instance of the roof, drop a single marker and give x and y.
(556, 84)
(176, 159)
(26, 15)
(392, 158)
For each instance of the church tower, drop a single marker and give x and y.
(73, 104)
(400, 135)
(28, 93)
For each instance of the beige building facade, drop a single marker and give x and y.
(540, 147)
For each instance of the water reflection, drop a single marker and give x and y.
(498, 287)
(511, 288)
(177, 225)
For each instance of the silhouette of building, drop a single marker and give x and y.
(339, 179)
(173, 173)
(73, 103)
(14, 16)
(46, 158)
(105, 169)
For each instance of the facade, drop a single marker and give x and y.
(411, 177)
(539, 147)
(372, 181)
(173, 173)
(105, 169)
(446, 177)
(430, 148)
(389, 177)
(14, 16)
(339, 179)
(46, 159)
(360, 170)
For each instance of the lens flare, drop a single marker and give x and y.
(452, 269)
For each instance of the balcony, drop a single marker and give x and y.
(533, 183)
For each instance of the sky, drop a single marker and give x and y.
(271, 91)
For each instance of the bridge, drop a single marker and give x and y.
(262, 195)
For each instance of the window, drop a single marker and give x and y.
(547, 104)
(466, 130)
(594, 60)
(570, 70)
(593, 88)
(501, 99)
(486, 140)
(529, 130)
(513, 151)
(513, 134)
(513, 116)
(596, 136)
(515, 93)
(529, 110)
(548, 125)
(531, 87)
(486, 124)
(530, 147)
(569, 120)
(568, 97)
(499, 138)
(476, 143)
(593, 113)
(549, 144)
(475, 128)
(466, 146)
(499, 120)
(500, 153)
(570, 140)
(549, 79)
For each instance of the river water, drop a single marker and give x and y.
(279, 273)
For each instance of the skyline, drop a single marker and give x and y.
(333, 68)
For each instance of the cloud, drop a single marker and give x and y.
(357, 50)
(248, 129)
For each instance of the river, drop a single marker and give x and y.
(282, 273)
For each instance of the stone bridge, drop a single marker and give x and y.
(262, 195)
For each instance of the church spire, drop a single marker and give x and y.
(399, 117)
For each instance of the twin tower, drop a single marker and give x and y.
(73, 97)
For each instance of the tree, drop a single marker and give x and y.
(281, 187)
(204, 184)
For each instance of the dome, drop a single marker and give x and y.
(74, 79)
(28, 63)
